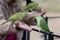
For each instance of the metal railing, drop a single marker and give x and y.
(47, 35)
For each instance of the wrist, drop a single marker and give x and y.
(16, 27)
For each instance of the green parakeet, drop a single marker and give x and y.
(32, 6)
(42, 23)
(16, 17)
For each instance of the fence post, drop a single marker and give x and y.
(46, 19)
(50, 36)
(45, 35)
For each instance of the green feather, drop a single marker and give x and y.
(42, 23)
(16, 17)
(32, 6)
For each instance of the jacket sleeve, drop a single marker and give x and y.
(6, 28)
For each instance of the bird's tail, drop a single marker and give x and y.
(4, 22)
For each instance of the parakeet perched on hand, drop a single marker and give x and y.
(42, 23)
(16, 17)
(32, 6)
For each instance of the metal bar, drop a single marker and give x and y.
(27, 35)
(54, 17)
(24, 36)
(35, 30)
(45, 32)
(50, 37)
(45, 36)
(46, 19)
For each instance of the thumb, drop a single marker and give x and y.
(17, 23)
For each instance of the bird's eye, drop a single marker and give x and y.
(34, 20)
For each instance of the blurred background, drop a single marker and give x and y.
(52, 10)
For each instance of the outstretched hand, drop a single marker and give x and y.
(23, 26)
(43, 12)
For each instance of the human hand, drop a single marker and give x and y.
(23, 26)
(43, 12)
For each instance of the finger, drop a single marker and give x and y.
(29, 29)
(43, 12)
(23, 25)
